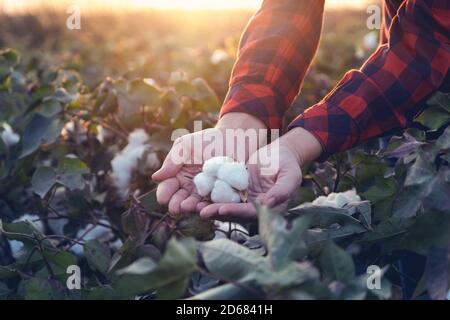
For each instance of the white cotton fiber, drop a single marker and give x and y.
(127, 160)
(96, 232)
(8, 135)
(213, 165)
(337, 200)
(235, 174)
(223, 193)
(204, 183)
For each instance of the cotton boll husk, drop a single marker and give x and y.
(204, 183)
(9, 137)
(223, 193)
(235, 174)
(213, 165)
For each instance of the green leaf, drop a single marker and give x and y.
(43, 180)
(143, 93)
(41, 289)
(9, 56)
(434, 118)
(98, 255)
(229, 259)
(140, 266)
(429, 230)
(170, 275)
(40, 130)
(49, 108)
(70, 173)
(383, 188)
(284, 242)
(336, 263)
(227, 291)
(391, 227)
(441, 100)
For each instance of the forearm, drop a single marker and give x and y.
(274, 55)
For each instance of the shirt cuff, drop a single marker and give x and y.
(333, 128)
(257, 100)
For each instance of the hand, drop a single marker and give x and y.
(274, 190)
(176, 188)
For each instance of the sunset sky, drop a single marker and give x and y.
(14, 5)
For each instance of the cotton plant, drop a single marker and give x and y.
(223, 180)
(128, 159)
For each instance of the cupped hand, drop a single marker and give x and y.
(185, 160)
(275, 174)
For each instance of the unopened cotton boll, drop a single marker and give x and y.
(204, 183)
(223, 193)
(235, 174)
(213, 165)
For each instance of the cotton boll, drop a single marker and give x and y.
(341, 200)
(137, 137)
(235, 174)
(218, 56)
(96, 232)
(319, 200)
(8, 135)
(223, 193)
(16, 247)
(213, 165)
(152, 161)
(126, 161)
(204, 183)
(351, 195)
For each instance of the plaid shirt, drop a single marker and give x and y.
(276, 49)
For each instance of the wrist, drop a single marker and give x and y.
(303, 144)
(239, 120)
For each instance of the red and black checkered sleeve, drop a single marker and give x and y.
(274, 55)
(389, 89)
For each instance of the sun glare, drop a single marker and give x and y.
(17, 5)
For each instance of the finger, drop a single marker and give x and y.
(201, 205)
(166, 189)
(228, 211)
(237, 210)
(287, 182)
(175, 201)
(173, 162)
(190, 203)
(210, 211)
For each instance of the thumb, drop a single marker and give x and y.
(288, 180)
(170, 168)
